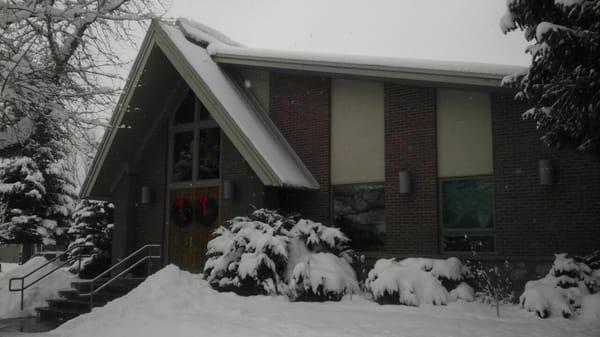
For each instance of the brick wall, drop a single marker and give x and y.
(248, 189)
(536, 220)
(300, 107)
(410, 144)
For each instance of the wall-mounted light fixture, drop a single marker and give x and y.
(546, 172)
(228, 188)
(146, 195)
(404, 182)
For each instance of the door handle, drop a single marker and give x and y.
(190, 241)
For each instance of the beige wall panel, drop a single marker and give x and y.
(259, 85)
(357, 132)
(464, 133)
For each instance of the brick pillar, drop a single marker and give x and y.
(248, 189)
(410, 144)
(532, 219)
(300, 107)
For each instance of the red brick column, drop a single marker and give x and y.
(300, 107)
(410, 144)
(532, 219)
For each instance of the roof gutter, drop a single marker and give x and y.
(236, 56)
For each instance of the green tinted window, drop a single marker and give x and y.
(467, 203)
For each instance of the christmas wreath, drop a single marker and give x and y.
(207, 210)
(182, 212)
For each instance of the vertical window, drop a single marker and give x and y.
(359, 209)
(183, 156)
(209, 141)
(357, 161)
(465, 171)
(196, 145)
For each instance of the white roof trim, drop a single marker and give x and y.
(479, 74)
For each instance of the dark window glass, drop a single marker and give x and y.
(182, 156)
(360, 212)
(208, 153)
(467, 203)
(468, 243)
(185, 113)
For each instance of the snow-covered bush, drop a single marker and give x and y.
(267, 253)
(569, 283)
(319, 263)
(416, 281)
(91, 226)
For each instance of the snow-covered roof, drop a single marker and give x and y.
(418, 70)
(375, 66)
(243, 121)
(253, 133)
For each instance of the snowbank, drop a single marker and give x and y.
(10, 302)
(569, 284)
(6, 267)
(416, 281)
(179, 304)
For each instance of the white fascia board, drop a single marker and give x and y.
(458, 73)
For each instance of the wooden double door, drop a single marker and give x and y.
(194, 215)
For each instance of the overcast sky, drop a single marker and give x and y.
(458, 30)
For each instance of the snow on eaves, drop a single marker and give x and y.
(405, 64)
(203, 34)
(257, 131)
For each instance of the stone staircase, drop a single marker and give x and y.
(73, 302)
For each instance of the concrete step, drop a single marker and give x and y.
(74, 304)
(47, 314)
(74, 301)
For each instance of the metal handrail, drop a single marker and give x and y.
(123, 272)
(67, 261)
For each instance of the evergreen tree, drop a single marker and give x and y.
(563, 82)
(91, 226)
(36, 191)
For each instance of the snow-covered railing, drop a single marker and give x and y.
(147, 250)
(69, 260)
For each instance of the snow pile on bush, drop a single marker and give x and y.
(268, 253)
(570, 287)
(36, 295)
(416, 281)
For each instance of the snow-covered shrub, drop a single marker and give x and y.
(249, 255)
(416, 281)
(92, 226)
(267, 253)
(319, 263)
(568, 284)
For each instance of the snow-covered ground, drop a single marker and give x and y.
(6, 267)
(36, 295)
(176, 303)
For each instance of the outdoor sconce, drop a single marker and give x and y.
(146, 195)
(227, 189)
(403, 182)
(546, 172)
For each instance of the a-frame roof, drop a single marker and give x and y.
(245, 123)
